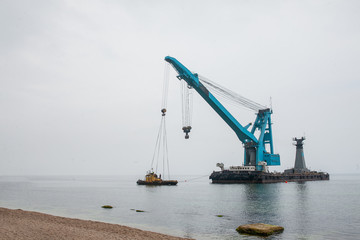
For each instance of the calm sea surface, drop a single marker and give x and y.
(310, 210)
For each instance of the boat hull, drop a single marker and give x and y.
(157, 183)
(226, 176)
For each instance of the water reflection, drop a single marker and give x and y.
(262, 203)
(301, 208)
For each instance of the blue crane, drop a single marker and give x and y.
(257, 151)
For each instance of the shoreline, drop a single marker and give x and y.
(21, 224)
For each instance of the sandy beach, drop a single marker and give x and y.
(19, 224)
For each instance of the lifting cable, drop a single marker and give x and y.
(161, 147)
(187, 107)
(230, 95)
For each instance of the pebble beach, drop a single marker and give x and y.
(20, 224)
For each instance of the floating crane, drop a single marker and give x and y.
(258, 151)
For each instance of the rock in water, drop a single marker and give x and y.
(261, 229)
(107, 206)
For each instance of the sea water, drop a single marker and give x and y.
(196, 208)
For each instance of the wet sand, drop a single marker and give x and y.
(19, 224)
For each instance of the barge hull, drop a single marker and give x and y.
(225, 176)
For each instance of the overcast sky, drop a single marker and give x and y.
(81, 82)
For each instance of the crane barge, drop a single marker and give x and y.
(258, 151)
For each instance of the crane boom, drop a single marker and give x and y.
(192, 80)
(255, 150)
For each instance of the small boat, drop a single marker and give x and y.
(152, 179)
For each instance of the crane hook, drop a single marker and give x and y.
(186, 131)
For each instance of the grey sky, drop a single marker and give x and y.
(81, 82)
